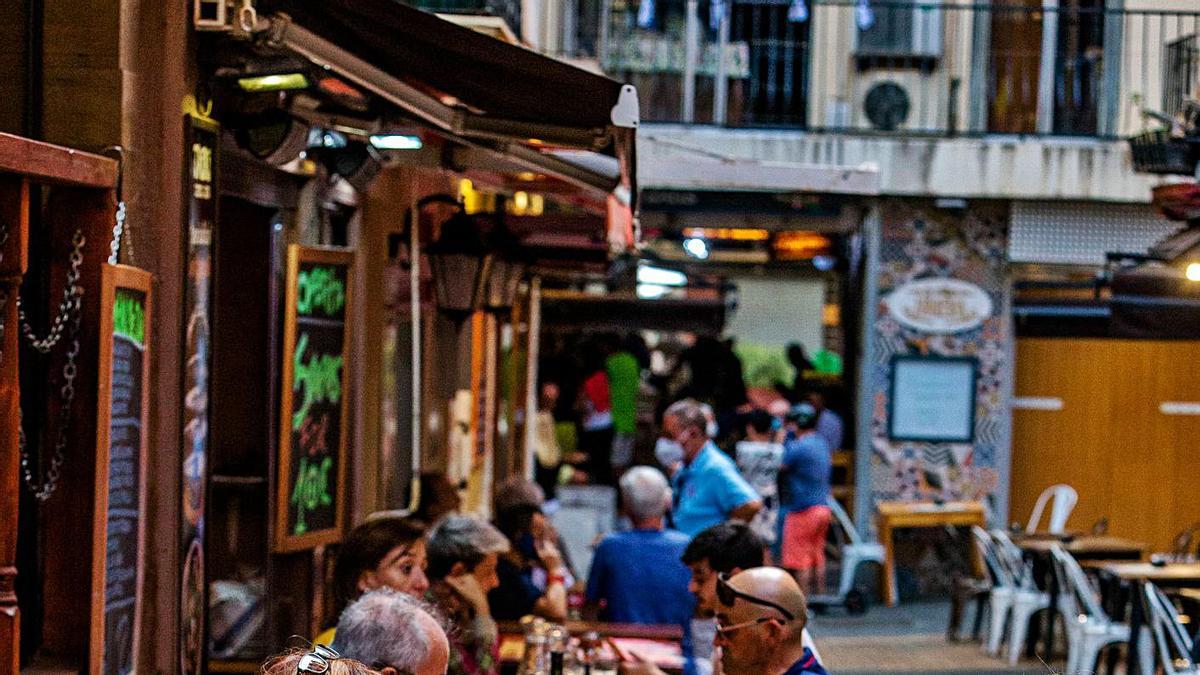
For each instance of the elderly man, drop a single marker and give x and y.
(708, 488)
(393, 633)
(638, 575)
(463, 552)
(760, 625)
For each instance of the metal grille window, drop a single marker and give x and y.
(1182, 74)
(777, 89)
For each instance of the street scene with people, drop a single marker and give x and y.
(599, 337)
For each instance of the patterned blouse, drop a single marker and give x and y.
(474, 640)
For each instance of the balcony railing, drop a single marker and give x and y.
(875, 66)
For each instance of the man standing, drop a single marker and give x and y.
(393, 633)
(829, 423)
(807, 463)
(708, 488)
(760, 625)
(639, 575)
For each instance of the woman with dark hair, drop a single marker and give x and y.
(533, 579)
(384, 552)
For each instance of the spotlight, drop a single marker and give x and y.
(1193, 271)
(273, 136)
(356, 162)
(278, 82)
(396, 142)
(648, 274)
(696, 247)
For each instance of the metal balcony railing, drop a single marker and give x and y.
(877, 66)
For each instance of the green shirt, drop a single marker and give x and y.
(624, 377)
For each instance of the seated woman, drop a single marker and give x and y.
(381, 552)
(533, 579)
(463, 553)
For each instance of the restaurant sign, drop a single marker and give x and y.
(939, 305)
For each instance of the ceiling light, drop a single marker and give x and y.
(278, 82)
(1193, 271)
(652, 291)
(396, 142)
(732, 233)
(696, 247)
(648, 274)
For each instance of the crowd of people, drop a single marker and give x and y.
(423, 594)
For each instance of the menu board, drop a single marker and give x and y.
(118, 529)
(314, 407)
(933, 399)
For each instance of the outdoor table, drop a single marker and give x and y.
(892, 516)
(1133, 575)
(1084, 548)
(627, 635)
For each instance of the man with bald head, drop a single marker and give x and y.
(761, 615)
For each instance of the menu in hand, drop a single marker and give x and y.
(313, 421)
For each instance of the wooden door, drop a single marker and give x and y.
(1117, 419)
(1014, 66)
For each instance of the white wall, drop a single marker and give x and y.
(774, 311)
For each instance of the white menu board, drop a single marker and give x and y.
(933, 399)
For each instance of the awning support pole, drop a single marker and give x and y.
(414, 294)
(534, 339)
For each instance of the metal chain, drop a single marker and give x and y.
(118, 229)
(70, 304)
(68, 321)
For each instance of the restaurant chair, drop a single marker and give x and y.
(1027, 599)
(1064, 498)
(1170, 637)
(1003, 591)
(854, 553)
(1089, 629)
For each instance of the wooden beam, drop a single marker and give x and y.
(14, 215)
(47, 163)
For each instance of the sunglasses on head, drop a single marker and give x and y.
(317, 661)
(728, 595)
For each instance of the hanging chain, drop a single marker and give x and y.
(68, 321)
(70, 304)
(118, 230)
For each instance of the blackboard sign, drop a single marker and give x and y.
(313, 421)
(119, 531)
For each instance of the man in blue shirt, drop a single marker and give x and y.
(708, 488)
(639, 575)
(829, 423)
(807, 464)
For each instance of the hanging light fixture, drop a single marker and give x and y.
(507, 268)
(461, 259)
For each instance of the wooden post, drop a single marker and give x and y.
(14, 215)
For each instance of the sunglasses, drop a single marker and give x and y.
(726, 631)
(317, 661)
(728, 595)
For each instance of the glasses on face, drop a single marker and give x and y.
(317, 661)
(726, 631)
(728, 595)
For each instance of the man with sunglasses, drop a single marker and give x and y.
(760, 625)
(394, 633)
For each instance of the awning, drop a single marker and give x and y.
(464, 83)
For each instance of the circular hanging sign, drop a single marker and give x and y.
(939, 305)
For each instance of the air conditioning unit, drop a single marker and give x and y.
(900, 31)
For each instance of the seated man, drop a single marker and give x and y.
(638, 576)
(463, 552)
(760, 625)
(392, 633)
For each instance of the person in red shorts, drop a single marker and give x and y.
(804, 477)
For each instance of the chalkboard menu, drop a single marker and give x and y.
(313, 421)
(120, 469)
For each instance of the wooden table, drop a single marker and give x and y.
(512, 638)
(1088, 547)
(892, 516)
(1133, 575)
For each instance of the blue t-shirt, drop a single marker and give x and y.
(707, 490)
(829, 426)
(807, 665)
(640, 576)
(807, 463)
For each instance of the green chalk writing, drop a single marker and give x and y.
(320, 289)
(320, 378)
(129, 316)
(311, 490)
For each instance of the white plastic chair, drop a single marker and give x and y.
(1089, 630)
(1027, 600)
(1000, 600)
(854, 553)
(1064, 497)
(1173, 643)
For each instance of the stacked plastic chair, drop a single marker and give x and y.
(1089, 629)
(1170, 637)
(855, 552)
(1064, 498)
(1027, 600)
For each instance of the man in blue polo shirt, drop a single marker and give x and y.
(708, 488)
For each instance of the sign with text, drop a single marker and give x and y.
(933, 399)
(939, 305)
(314, 417)
(121, 447)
